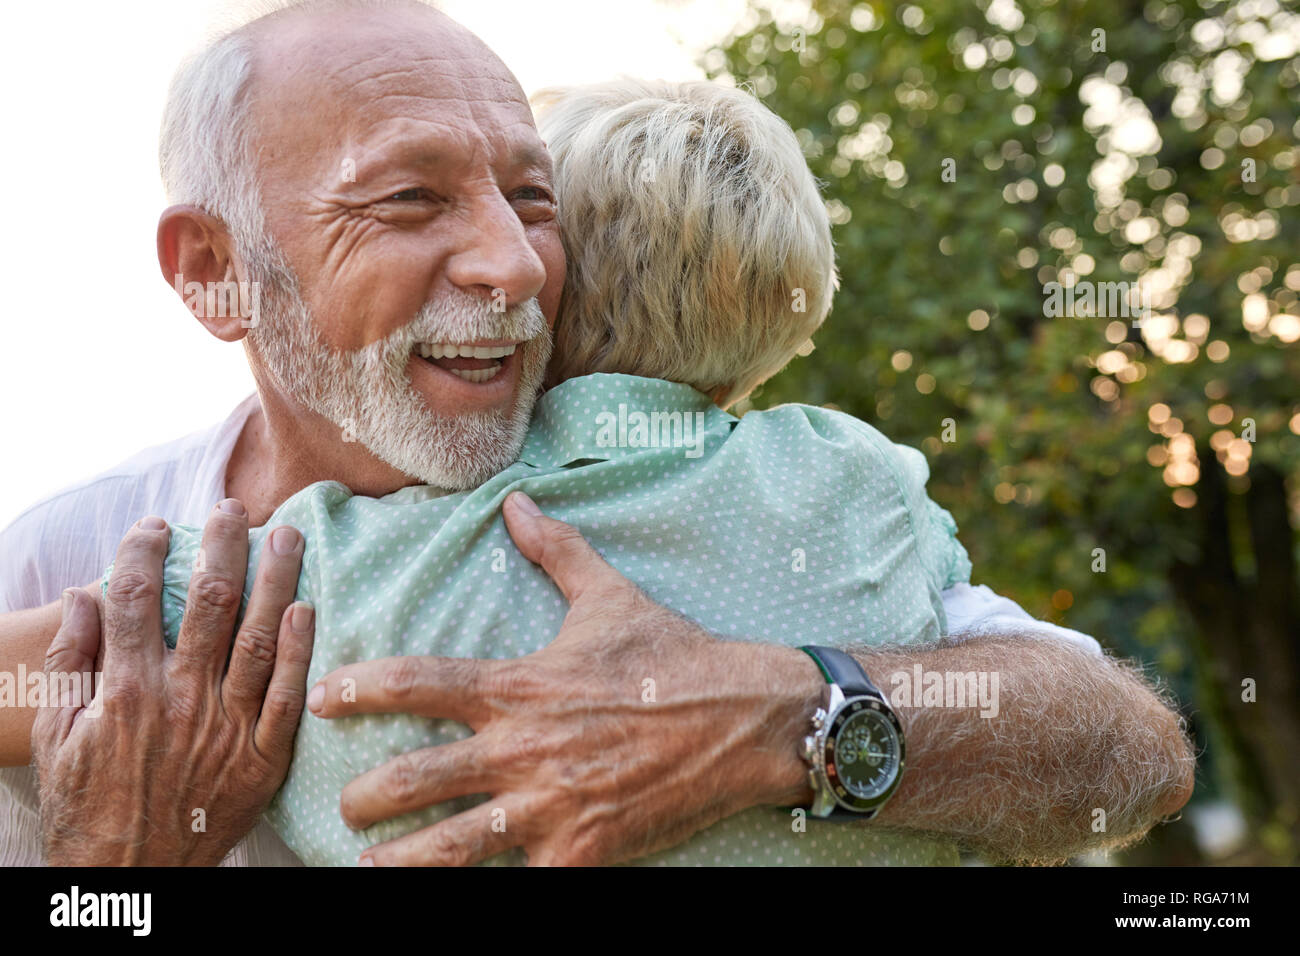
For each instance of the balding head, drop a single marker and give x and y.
(275, 62)
(375, 167)
(320, 67)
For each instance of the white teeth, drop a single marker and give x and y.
(441, 350)
(476, 375)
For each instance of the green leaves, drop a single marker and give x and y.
(1051, 462)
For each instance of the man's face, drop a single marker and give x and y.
(409, 192)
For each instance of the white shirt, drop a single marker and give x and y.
(68, 540)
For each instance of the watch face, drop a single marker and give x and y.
(864, 760)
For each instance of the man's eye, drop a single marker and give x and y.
(407, 195)
(533, 194)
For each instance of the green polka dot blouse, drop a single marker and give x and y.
(796, 525)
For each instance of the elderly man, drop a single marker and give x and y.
(363, 164)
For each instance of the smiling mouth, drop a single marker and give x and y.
(475, 362)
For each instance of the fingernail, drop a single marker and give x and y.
(366, 861)
(284, 540)
(152, 523)
(316, 698)
(232, 506)
(301, 617)
(69, 599)
(526, 504)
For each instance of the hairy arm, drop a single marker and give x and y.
(590, 774)
(24, 638)
(1073, 734)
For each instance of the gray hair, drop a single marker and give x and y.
(208, 145)
(205, 149)
(699, 246)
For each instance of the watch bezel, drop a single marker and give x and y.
(842, 795)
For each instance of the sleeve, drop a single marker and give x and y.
(20, 586)
(971, 611)
(52, 546)
(936, 531)
(978, 611)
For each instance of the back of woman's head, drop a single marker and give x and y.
(699, 248)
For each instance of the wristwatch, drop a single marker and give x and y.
(855, 752)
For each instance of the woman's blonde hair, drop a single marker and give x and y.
(699, 247)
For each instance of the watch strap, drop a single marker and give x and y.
(843, 670)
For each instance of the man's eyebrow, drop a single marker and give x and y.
(412, 156)
(529, 155)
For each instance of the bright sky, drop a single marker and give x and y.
(100, 359)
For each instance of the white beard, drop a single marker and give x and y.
(368, 394)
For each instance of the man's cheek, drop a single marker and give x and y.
(546, 242)
(359, 295)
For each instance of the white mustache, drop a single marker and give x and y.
(462, 317)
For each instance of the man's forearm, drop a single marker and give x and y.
(603, 774)
(1073, 734)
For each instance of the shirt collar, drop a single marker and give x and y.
(604, 416)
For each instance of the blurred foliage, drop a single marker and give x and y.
(974, 152)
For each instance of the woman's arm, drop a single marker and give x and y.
(24, 638)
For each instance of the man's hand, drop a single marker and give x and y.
(630, 732)
(589, 767)
(176, 756)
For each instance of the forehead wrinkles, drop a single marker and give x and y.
(468, 103)
(464, 100)
(433, 75)
(318, 77)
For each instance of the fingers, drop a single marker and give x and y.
(448, 687)
(414, 781)
(462, 840)
(254, 655)
(560, 549)
(95, 592)
(287, 691)
(133, 644)
(69, 668)
(216, 590)
(76, 643)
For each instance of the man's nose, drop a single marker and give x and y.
(496, 254)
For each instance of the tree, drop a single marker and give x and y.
(1068, 248)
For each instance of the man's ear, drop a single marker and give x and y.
(197, 257)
